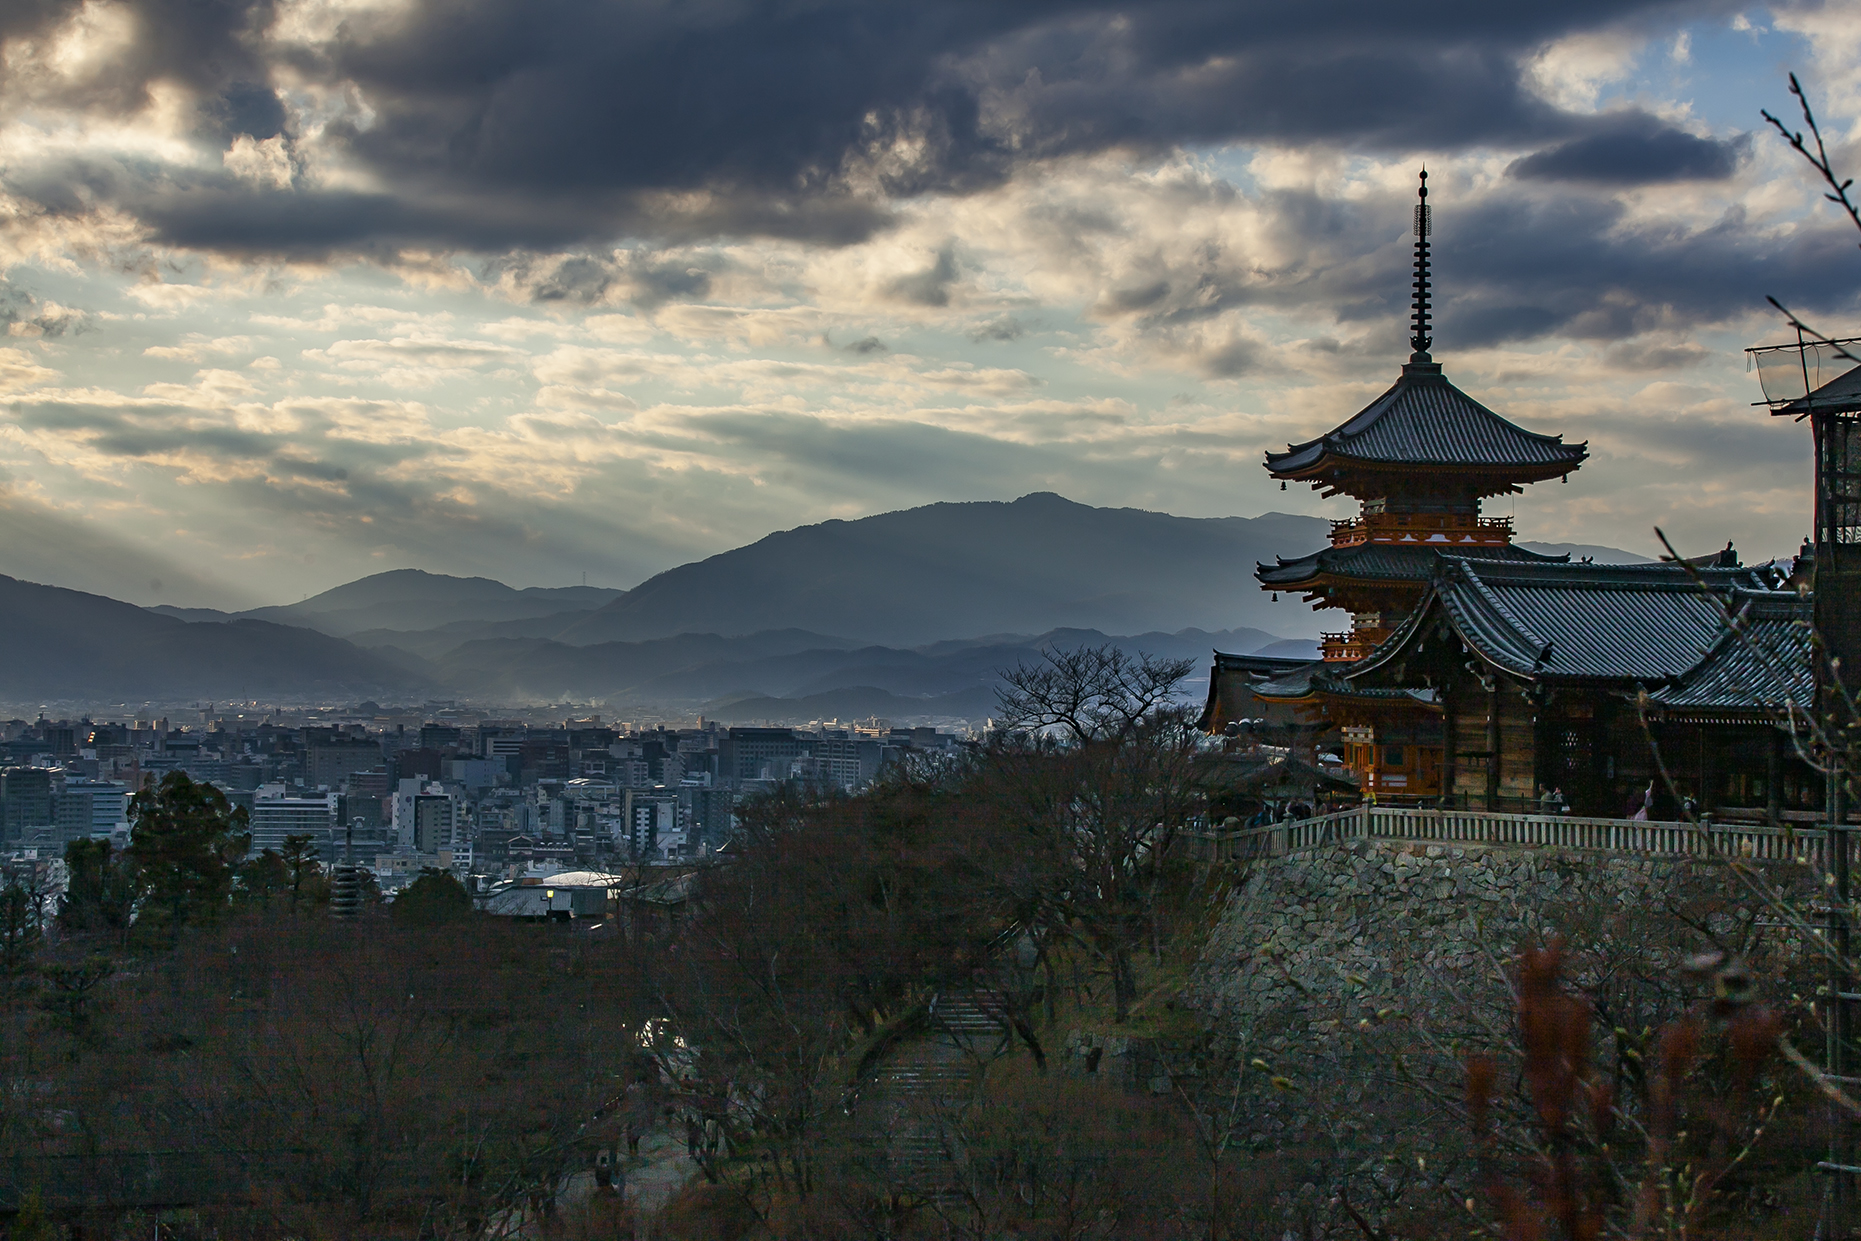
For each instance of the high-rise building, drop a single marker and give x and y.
(90, 808)
(426, 817)
(327, 763)
(25, 800)
(275, 816)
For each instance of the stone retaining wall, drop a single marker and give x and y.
(1356, 980)
(1370, 924)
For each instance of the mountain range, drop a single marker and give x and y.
(904, 610)
(65, 645)
(412, 599)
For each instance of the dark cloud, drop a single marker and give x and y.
(499, 124)
(1529, 264)
(644, 279)
(1636, 150)
(1521, 261)
(865, 345)
(1232, 360)
(247, 108)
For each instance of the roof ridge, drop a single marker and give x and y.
(1498, 605)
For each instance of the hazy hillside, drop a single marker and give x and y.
(1580, 551)
(955, 570)
(917, 609)
(937, 573)
(67, 645)
(411, 599)
(696, 669)
(855, 702)
(535, 669)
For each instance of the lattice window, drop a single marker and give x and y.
(1841, 478)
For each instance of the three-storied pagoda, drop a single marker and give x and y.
(1489, 677)
(1420, 459)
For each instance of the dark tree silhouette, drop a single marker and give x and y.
(101, 890)
(186, 843)
(434, 898)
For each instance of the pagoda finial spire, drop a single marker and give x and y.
(1420, 336)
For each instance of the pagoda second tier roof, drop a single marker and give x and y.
(1426, 421)
(1385, 562)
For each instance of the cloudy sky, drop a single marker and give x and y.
(299, 290)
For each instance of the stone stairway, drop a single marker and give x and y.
(921, 1079)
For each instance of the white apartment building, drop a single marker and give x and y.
(426, 817)
(276, 815)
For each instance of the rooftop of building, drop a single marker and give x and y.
(1646, 624)
(1423, 420)
(1385, 562)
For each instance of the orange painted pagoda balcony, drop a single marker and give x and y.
(1350, 647)
(1422, 530)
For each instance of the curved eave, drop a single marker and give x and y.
(1392, 701)
(1387, 649)
(1289, 699)
(1412, 567)
(1333, 581)
(1327, 465)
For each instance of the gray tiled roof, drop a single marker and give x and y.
(1386, 562)
(1762, 664)
(1425, 420)
(1629, 624)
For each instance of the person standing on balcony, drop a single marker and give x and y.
(1641, 805)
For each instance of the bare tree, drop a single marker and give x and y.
(1091, 694)
(1095, 773)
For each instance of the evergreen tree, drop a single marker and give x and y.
(20, 930)
(305, 870)
(434, 898)
(186, 842)
(102, 889)
(261, 878)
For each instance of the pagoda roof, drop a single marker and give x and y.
(1631, 625)
(1385, 562)
(1426, 421)
(1326, 679)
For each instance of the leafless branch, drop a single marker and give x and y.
(1837, 193)
(1819, 158)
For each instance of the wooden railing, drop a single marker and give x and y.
(1352, 646)
(1420, 528)
(1474, 827)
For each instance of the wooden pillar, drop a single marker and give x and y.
(1773, 778)
(1492, 746)
(1448, 724)
(1543, 778)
